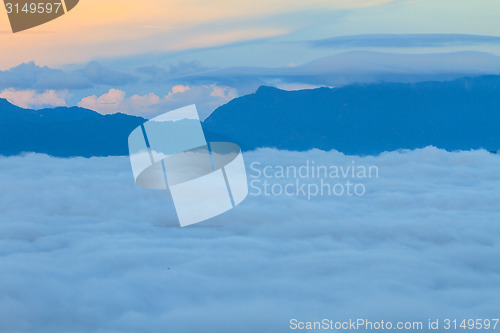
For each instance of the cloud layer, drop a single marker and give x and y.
(97, 29)
(153, 89)
(34, 99)
(84, 249)
(357, 67)
(405, 40)
(31, 76)
(208, 97)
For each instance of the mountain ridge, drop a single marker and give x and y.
(359, 119)
(364, 119)
(64, 131)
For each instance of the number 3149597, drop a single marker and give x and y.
(33, 8)
(471, 324)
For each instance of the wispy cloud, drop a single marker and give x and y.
(405, 41)
(355, 67)
(124, 27)
(150, 90)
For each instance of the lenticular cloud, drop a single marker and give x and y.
(85, 249)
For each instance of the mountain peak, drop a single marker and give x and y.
(267, 90)
(5, 105)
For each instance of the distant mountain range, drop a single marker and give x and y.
(64, 131)
(356, 119)
(367, 119)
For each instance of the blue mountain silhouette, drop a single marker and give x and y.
(357, 119)
(64, 131)
(367, 119)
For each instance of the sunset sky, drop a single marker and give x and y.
(126, 48)
(101, 29)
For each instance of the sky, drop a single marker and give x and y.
(148, 58)
(86, 250)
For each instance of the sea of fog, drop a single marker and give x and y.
(83, 249)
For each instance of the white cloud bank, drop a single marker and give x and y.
(85, 250)
(34, 99)
(207, 97)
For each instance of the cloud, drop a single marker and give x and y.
(162, 26)
(99, 74)
(140, 102)
(224, 93)
(34, 99)
(31, 76)
(355, 67)
(108, 103)
(109, 257)
(172, 71)
(405, 40)
(179, 89)
(207, 98)
(211, 87)
(153, 89)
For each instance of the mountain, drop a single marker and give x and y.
(67, 132)
(64, 131)
(367, 119)
(357, 119)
